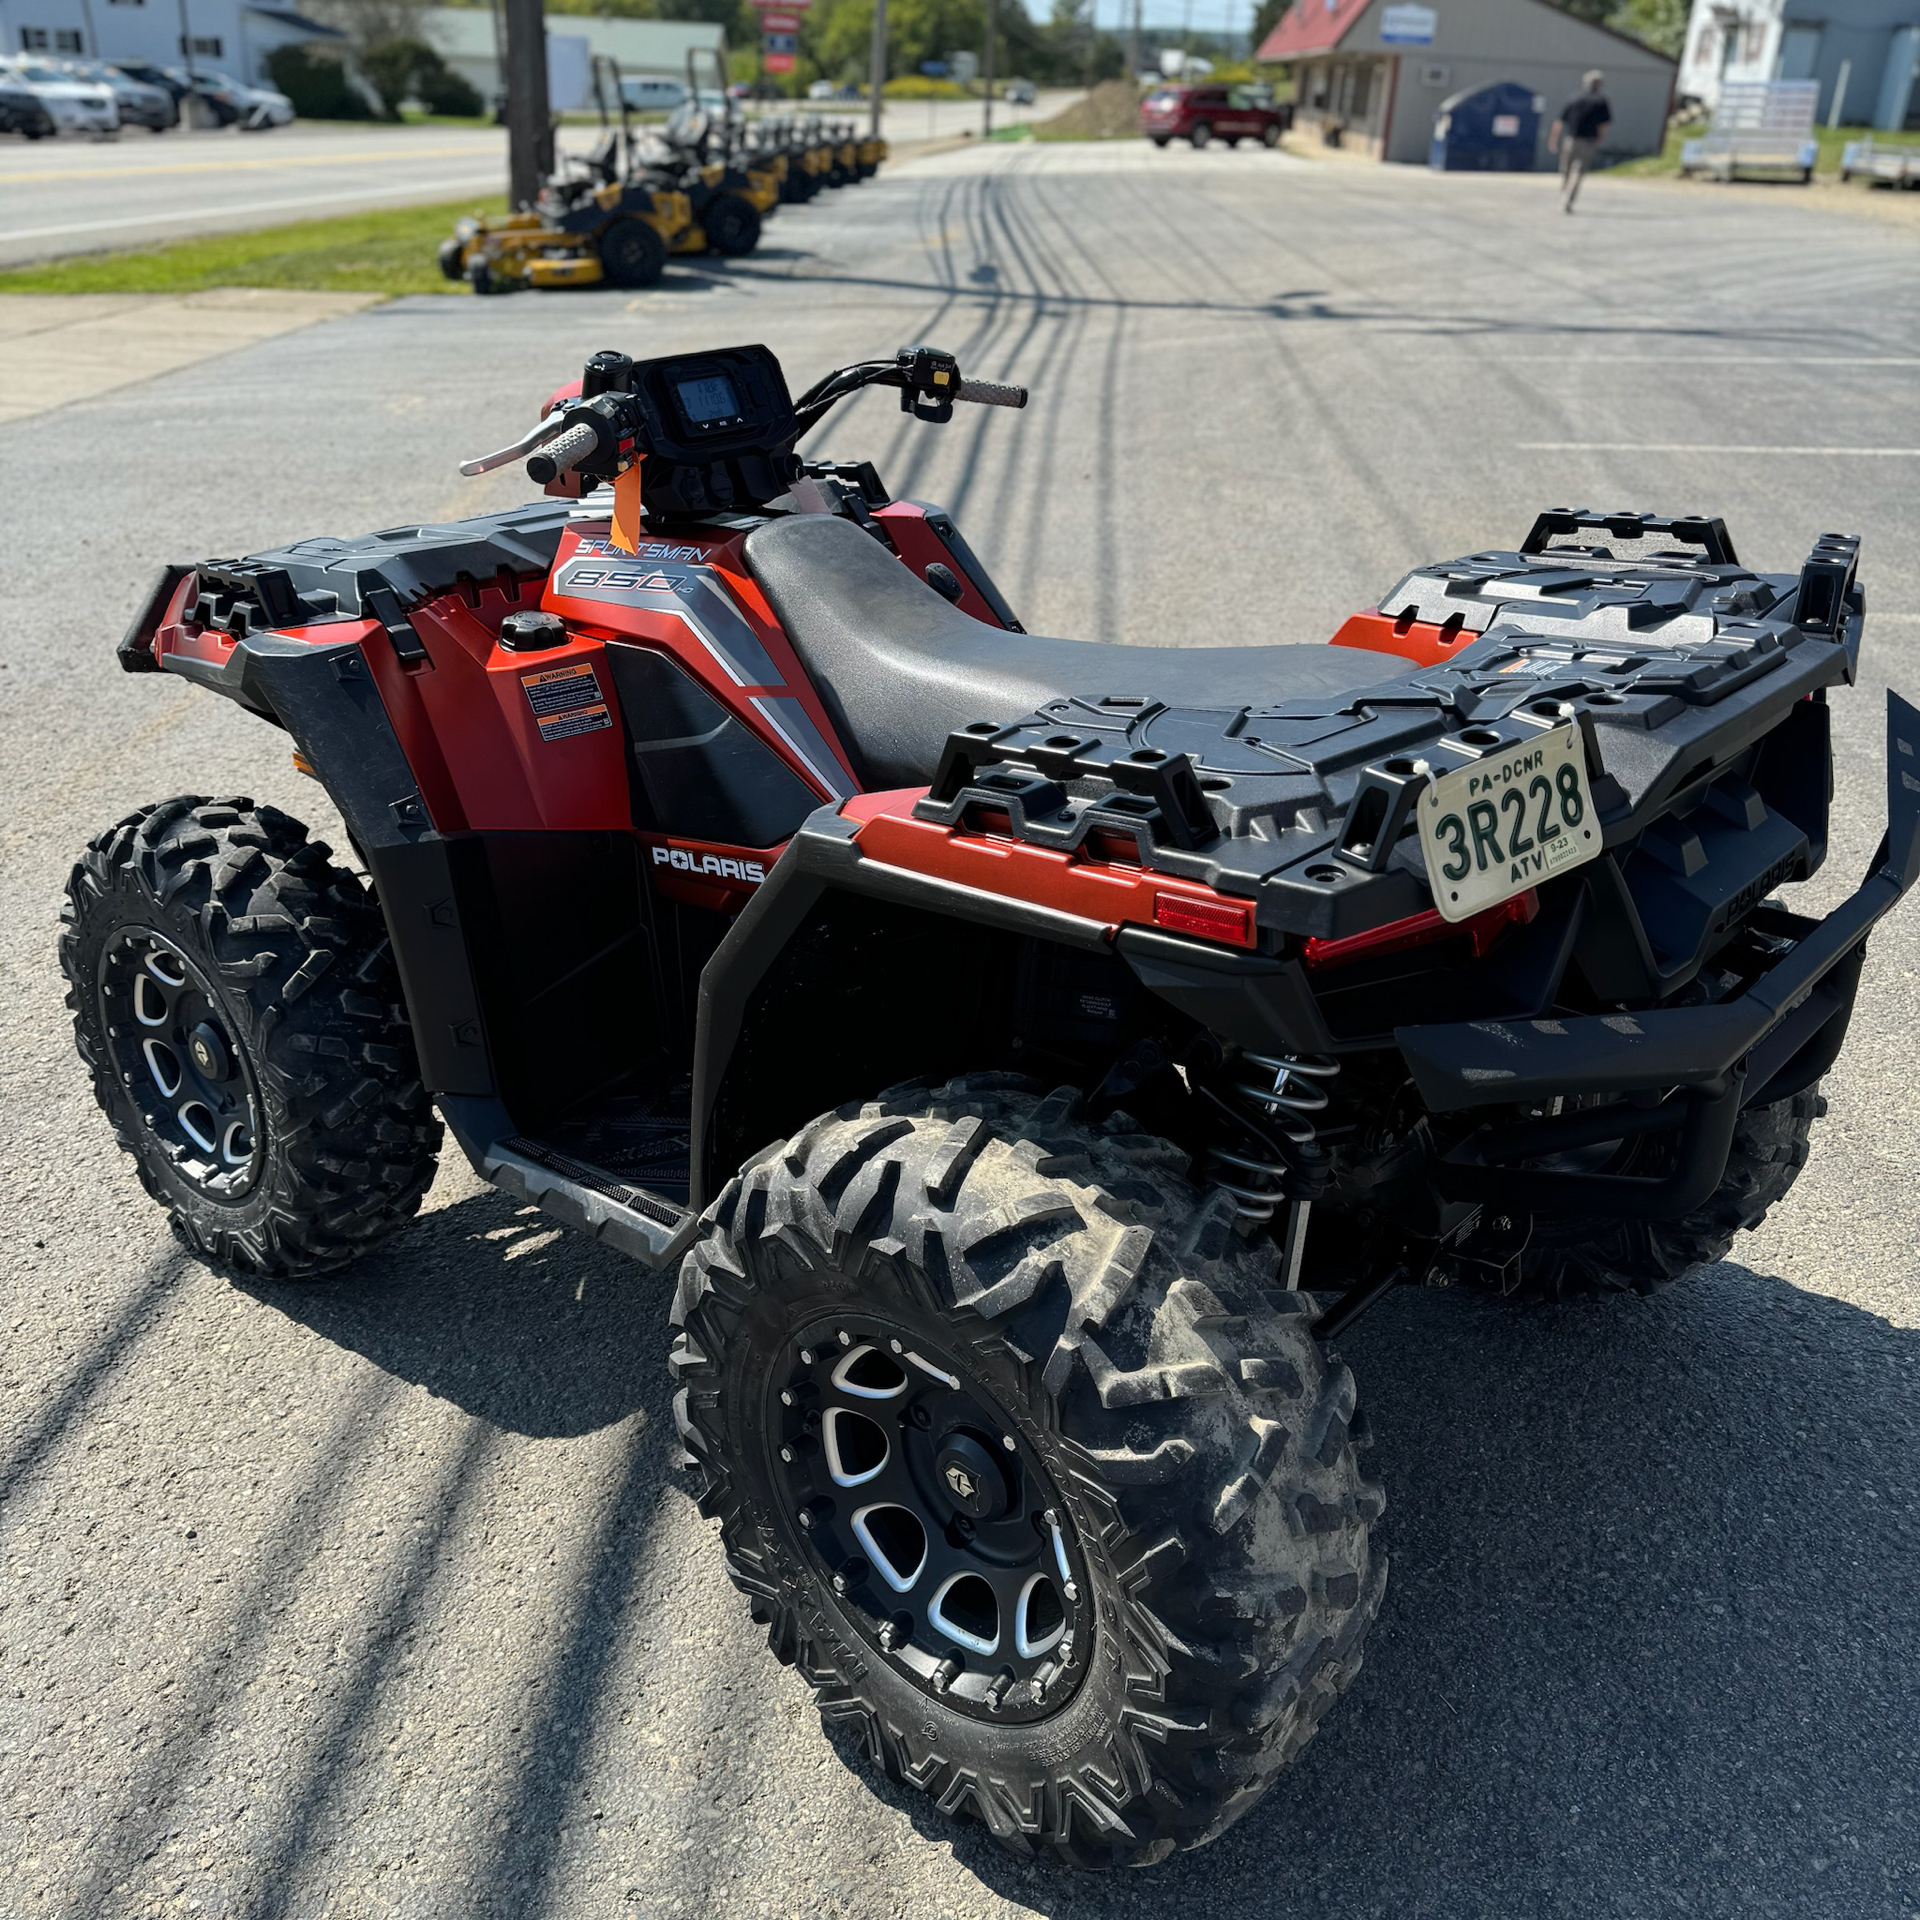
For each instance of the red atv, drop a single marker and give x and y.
(1027, 1054)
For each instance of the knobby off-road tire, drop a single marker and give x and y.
(1566, 1259)
(1198, 1444)
(213, 946)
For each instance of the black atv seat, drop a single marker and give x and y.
(899, 667)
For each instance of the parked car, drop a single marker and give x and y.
(1201, 114)
(141, 104)
(76, 106)
(1020, 93)
(822, 90)
(253, 109)
(21, 109)
(649, 94)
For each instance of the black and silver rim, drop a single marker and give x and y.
(174, 1053)
(931, 1518)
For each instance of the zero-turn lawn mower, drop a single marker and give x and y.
(1020, 1058)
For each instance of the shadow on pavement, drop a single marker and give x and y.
(1650, 1643)
(499, 1310)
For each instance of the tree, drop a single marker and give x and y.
(1266, 16)
(1661, 24)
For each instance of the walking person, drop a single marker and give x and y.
(1575, 136)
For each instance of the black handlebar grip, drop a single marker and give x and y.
(990, 393)
(563, 452)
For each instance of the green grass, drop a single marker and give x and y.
(1666, 163)
(389, 252)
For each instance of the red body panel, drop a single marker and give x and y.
(1417, 640)
(919, 546)
(1110, 892)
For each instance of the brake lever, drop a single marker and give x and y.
(534, 435)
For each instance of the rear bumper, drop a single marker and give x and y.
(1792, 1014)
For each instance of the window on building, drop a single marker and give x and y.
(69, 40)
(33, 39)
(126, 3)
(207, 44)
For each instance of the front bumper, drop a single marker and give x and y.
(1692, 1068)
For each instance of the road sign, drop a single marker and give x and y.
(781, 6)
(776, 62)
(779, 23)
(933, 69)
(779, 46)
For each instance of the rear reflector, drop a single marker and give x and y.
(1420, 929)
(1210, 919)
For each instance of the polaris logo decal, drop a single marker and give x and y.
(710, 866)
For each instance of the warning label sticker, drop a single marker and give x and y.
(567, 700)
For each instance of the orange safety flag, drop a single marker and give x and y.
(626, 509)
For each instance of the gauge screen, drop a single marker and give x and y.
(707, 399)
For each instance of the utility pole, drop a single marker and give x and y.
(986, 81)
(529, 118)
(877, 74)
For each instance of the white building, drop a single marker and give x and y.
(237, 35)
(234, 36)
(1864, 53)
(466, 39)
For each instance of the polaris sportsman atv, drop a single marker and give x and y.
(1026, 1053)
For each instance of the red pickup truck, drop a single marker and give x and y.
(1203, 113)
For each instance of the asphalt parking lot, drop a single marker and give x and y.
(379, 1598)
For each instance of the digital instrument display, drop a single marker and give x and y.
(707, 399)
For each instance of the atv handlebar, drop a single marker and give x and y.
(563, 454)
(990, 393)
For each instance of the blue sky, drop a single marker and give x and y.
(1207, 16)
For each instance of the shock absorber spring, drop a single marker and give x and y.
(1275, 1101)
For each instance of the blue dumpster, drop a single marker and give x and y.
(1493, 128)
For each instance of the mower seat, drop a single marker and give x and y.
(899, 667)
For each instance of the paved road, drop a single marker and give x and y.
(377, 1598)
(69, 196)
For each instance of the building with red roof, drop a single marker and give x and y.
(1370, 75)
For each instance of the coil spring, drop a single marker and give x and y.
(1286, 1094)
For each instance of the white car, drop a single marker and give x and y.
(76, 106)
(1020, 93)
(652, 96)
(822, 90)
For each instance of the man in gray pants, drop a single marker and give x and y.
(1575, 136)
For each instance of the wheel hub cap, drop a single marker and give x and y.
(932, 1518)
(175, 1058)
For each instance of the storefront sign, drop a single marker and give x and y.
(1408, 26)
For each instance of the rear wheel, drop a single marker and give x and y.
(1564, 1258)
(235, 996)
(1201, 134)
(632, 254)
(732, 224)
(1053, 1504)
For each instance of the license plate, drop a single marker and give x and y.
(1507, 822)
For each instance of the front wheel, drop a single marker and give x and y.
(732, 224)
(1162, 139)
(632, 254)
(452, 259)
(234, 994)
(1201, 134)
(1050, 1500)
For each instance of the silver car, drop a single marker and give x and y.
(139, 104)
(76, 106)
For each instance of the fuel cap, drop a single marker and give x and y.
(532, 632)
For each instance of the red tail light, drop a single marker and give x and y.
(1210, 919)
(1420, 929)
